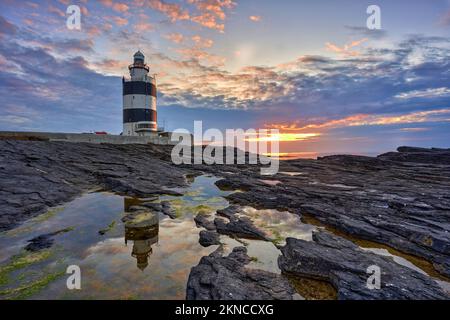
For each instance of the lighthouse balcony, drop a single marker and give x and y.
(139, 65)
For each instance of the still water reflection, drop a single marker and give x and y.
(147, 257)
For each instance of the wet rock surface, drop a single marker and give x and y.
(202, 221)
(240, 227)
(226, 278)
(209, 238)
(36, 175)
(401, 199)
(344, 265)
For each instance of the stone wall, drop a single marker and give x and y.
(156, 138)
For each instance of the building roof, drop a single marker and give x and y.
(139, 54)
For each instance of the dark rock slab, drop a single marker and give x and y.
(167, 209)
(400, 199)
(202, 221)
(154, 206)
(229, 211)
(344, 265)
(37, 175)
(237, 226)
(226, 278)
(240, 228)
(418, 155)
(209, 238)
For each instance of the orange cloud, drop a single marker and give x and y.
(110, 66)
(202, 42)
(211, 12)
(28, 22)
(346, 50)
(33, 4)
(57, 11)
(369, 120)
(120, 7)
(107, 3)
(284, 137)
(144, 26)
(94, 31)
(173, 11)
(120, 21)
(255, 18)
(208, 20)
(196, 53)
(175, 37)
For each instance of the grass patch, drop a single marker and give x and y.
(24, 291)
(203, 209)
(47, 215)
(21, 261)
(109, 228)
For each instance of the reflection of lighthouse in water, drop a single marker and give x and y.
(143, 234)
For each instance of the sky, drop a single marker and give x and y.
(311, 69)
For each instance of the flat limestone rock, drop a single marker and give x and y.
(344, 265)
(226, 278)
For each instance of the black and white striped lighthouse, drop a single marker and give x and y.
(139, 100)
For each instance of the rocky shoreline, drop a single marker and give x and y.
(398, 199)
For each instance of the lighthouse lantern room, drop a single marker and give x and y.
(139, 100)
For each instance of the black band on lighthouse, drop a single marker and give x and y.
(139, 87)
(136, 115)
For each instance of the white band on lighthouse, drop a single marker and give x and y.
(139, 100)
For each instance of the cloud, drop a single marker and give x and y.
(110, 66)
(56, 11)
(33, 4)
(438, 115)
(120, 7)
(427, 93)
(402, 79)
(202, 42)
(346, 50)
(366, 32)
(59, 93)
(173, 11)
(255, 18)
(208, 13)
(201, 55)
(6, 28)
(144, 26)
(119, 21)
(284, 137)
(417, 129)
(175, 37)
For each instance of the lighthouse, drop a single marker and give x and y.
(139, 99)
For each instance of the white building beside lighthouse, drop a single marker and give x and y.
(139, 100)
